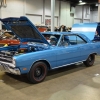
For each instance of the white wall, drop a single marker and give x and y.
(14, 9)
(35, 19)
(94, 16)
(78, 12)
(86, 13)
(33, 9)
(66, 19)
(48, 11)
(79, 16)
(48, 7)
(89, 16)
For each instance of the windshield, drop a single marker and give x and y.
(52, 38)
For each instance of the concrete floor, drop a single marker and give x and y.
(70, 83)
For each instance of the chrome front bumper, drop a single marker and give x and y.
(8, 67)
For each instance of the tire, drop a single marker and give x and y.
(90, 61)
(38, 72)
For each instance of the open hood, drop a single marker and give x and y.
(88, 29)
(24, 29)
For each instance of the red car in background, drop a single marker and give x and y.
(42, 28)
(8, 39)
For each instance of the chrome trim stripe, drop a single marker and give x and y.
(68, 64)
(73, 63)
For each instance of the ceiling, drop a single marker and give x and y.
(75, 2)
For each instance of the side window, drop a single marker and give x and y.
(71, 40)
(64, 41)
(74, 39)
(80, 40)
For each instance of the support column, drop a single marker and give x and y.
(43, 16)
(52, 14)
(98, 10)
(82, 14)
(59, 13)
(24, 7)
(0, 17)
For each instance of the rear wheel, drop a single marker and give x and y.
(38, 72)
(90, 60)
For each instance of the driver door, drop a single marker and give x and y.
(69, 54)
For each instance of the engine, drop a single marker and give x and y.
(24, 48)
(32, 47)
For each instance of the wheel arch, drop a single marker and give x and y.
(90, 60)
(91, 54)
(44, 68)
(45, 61)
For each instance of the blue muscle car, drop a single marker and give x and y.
(44, 51)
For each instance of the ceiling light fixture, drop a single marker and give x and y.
(96, 4)
(80, 1)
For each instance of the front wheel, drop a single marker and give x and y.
(90, 60)
(38, 72)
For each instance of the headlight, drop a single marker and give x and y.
(13, 61)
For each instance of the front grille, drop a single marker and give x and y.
(5, 57)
